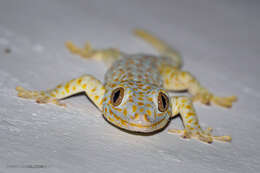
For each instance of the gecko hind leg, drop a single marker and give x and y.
(176, 80)
(224, 101)
(192, 129)
(161, 46)
(87, 52)
(204, 137)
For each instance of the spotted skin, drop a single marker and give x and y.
(139, 110)
(141, 82)
(86, 83)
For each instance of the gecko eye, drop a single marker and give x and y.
(117, 96)
(163, 102)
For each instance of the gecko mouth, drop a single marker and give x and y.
(125, 124)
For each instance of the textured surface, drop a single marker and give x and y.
(219, 42)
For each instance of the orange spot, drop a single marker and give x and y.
(136, 116)
(167, 82)
(118, 109)
(84, 86)
(67, 87)
(189, 121)
(93, 90)
(188, 107)
(63, 93)
(134, 108)
(168, 70)
(111, 119)
(140, 104)
(140, 98)
(148, 105)
(148, 88)
(189, 114)
(53, 95)
(123, 123)
(73, 88)
(183, 74)
(141, 109)
(105, 109)
(150, 99)
(111, 113)
(149, 112)
(125, 112)
(96, 97)
(140, 85)
(79, 81)
(146, 118)
(131, 100)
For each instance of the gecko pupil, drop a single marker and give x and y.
(163, 102)
(117, 96)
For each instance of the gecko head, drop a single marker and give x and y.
(136, 106)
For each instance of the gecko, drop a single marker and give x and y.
(135, 93)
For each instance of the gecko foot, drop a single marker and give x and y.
(204, 136)
(208, 98)
(38, 96)
(224, 101)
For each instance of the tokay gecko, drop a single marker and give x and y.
(134, 95)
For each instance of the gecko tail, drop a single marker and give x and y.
(162, 47)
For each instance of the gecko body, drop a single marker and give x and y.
(134, 95)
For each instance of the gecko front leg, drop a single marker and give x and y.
(86, 83)
(192, 129)
(175, 79)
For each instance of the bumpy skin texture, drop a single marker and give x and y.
(140, 77)
(134, 95)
